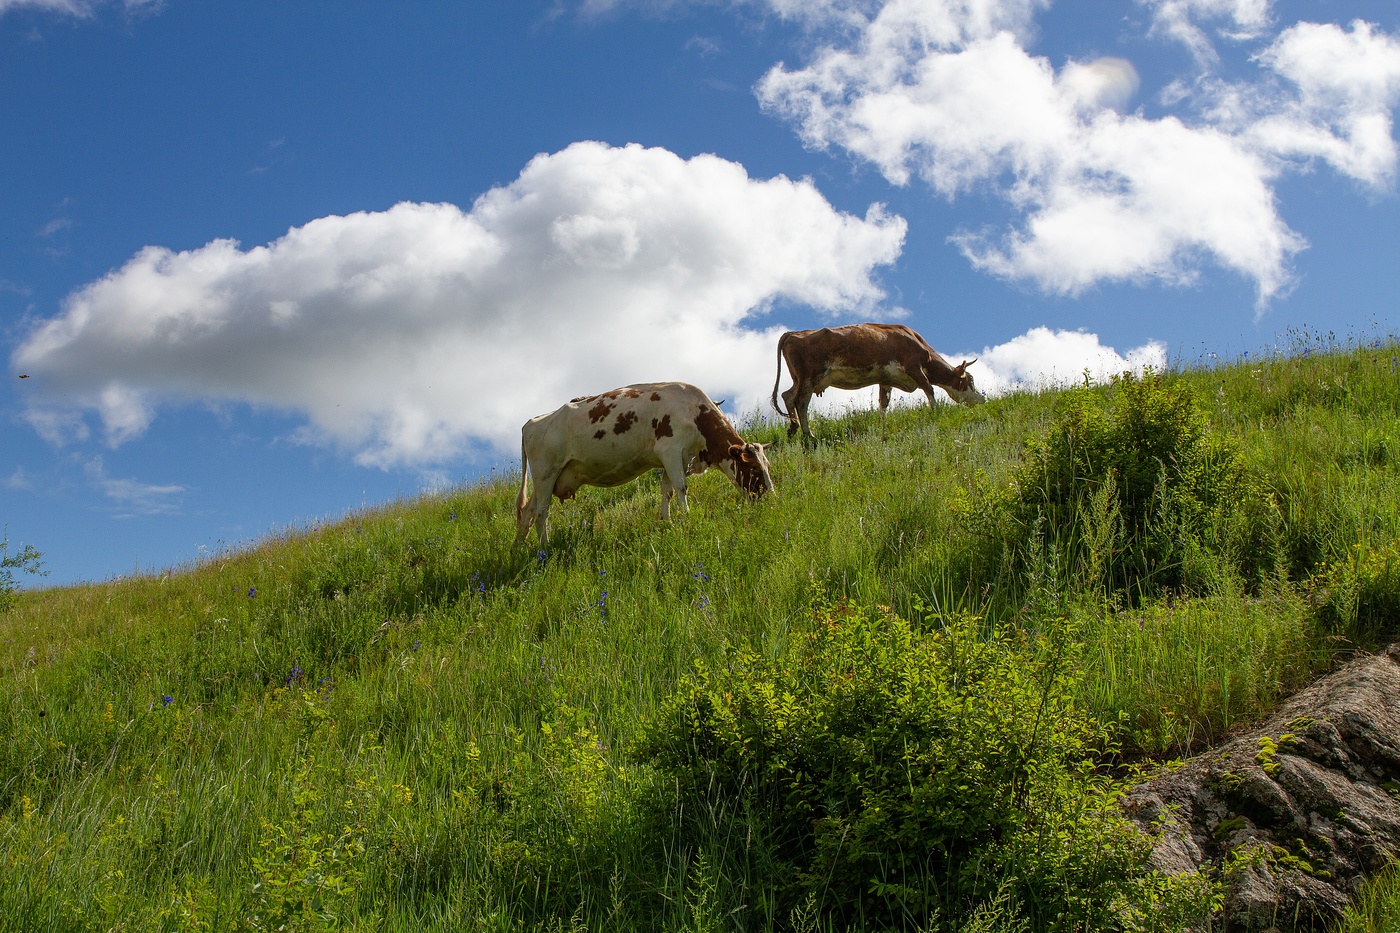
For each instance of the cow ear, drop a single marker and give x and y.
(737, 452)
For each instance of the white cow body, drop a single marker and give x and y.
(612, 438)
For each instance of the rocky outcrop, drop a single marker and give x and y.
(1297, 813)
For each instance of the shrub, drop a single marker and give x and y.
(1138, 498)
(889, 777)
(26, 559)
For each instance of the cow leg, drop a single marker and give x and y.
(797, 399)
(672, 480)
(922, 382)
(666, 490)
(533, 514)
(884, 397)
(539, 505)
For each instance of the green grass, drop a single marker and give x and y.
(397, 722)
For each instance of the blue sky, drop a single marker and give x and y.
(265, 263)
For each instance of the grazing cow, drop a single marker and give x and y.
(611, 439)
(858, 355)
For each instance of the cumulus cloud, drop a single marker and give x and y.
(1042, 358)
(417, 333)
(1347, 84)
(947, 92)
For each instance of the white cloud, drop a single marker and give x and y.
(947, 92)
(79, 8)
(133, 496)
(1181, 20)
(19, 479)
(1348, 83)
(1042, 358)
(417, 333)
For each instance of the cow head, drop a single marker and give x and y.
(961, 387)
(747, 467)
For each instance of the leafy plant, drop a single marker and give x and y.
(27, 560)
(892, 776)
(1138, 497)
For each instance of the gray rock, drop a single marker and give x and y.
(1295, 814)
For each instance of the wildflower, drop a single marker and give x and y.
(417, 644)
(451, 516)
(294, 674)
(166, 701)
(702, 603)
(252, 591)
(700, 573)
(542, 556)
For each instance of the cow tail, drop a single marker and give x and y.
(524, 478)
(779, 378)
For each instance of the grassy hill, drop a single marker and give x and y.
(398, 722)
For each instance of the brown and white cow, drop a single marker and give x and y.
(858, 355)
(612, 438)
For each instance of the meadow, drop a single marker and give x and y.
(902, 693)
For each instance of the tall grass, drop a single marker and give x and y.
(398, 722)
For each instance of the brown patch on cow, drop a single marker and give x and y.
(599, 412)
(656, 396)
(599, 434)
(625, 422)
(719, 435)
(632, 393)
(662, 428)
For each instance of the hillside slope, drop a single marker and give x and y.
(396, 721)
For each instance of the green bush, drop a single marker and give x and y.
(1137, 498)
(888, 777)
(26, 559)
